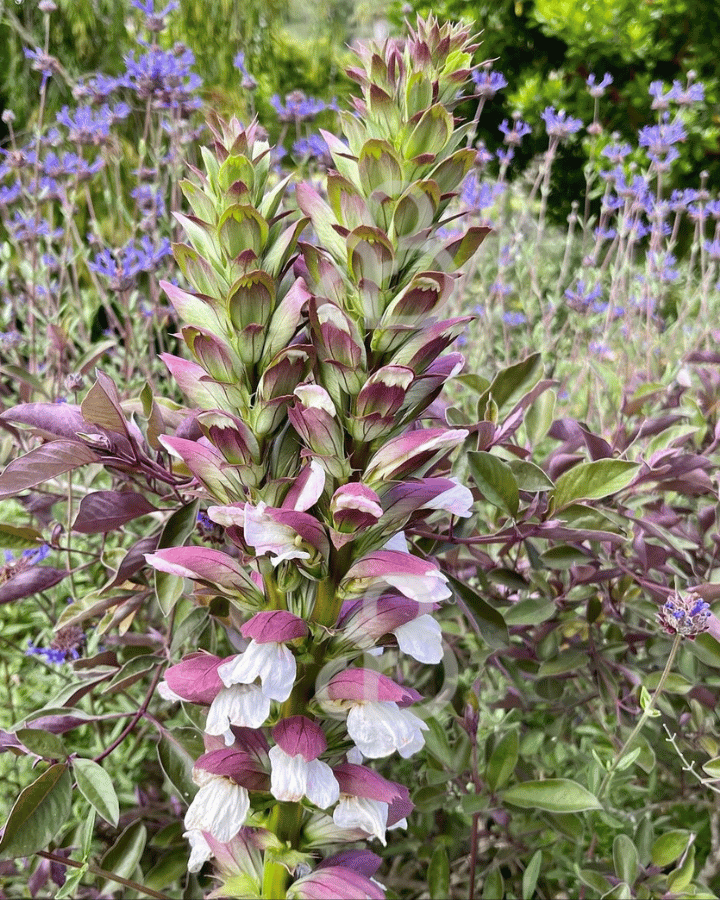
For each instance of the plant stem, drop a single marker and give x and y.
(644, 717)
(102, 873)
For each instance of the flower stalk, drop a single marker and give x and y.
(316, 442)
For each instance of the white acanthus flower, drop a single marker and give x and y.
(220, 807)
(421, 638)
(272, 662)
(362, 812)
(379, 727)
(293, 777)
(241, 704)
(200, 850)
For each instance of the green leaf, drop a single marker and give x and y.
(180, 525)
(439, 874)
(531, 874)
(563, 557)
(625, 859)
(13, 537)
(502, 761)
(712, 767)
(133, 670)
(512, 383)
(495, 480)
(681, 877)
(38, 813)
(566, 661)
(177, 752)
(97, 788)
(473, 803)
(669, 847)
(168, 869)
(532, 611)
(42, 743)
(556, 795)
(489, 621)
(593, 480)
(493, 886)
(124, 855)
(71, 883)
(539, 417)
(529, 477)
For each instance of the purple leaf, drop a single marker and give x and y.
(134, 560)
(29, 582)
(104, 511)
(42, 464)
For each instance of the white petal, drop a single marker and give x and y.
(268, 536)
(421, 638)
(322, 787)
(227, 515)
(200, 851)
(166, 692)
(354, 756)
(313, 488)
(288, 775)
(273, 663)
(379, 727)
(219, 807)
(428, 588)
(361, 812)
(241, 704)
(457, 500)
(397, 542)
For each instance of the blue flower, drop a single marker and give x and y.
(298, 107)
(514, 134)
(488, 82)
(559, 124)
(684, 614)
(597, 90)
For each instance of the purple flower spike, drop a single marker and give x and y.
(274, 625)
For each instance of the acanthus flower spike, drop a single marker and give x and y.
(312, 375)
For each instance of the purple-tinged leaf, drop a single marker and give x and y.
(30, 581)
(104, 511)
(101, 406)
(50, 420)
(42, 464)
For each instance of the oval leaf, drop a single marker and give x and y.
(97, 788)
(38, 813)
(495, 480)
(29, 582)
(557, 795)
(104, 511)
(42, 464)
(503, 760)
(593, 480)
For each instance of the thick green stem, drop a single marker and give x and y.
(643, 718)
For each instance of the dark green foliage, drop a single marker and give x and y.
(547, 48)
